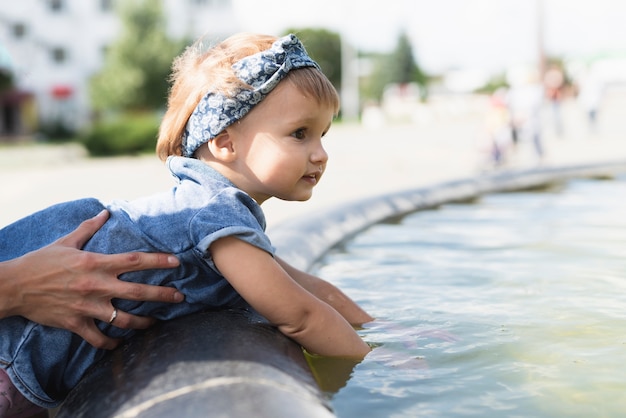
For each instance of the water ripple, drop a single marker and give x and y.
(513, 306)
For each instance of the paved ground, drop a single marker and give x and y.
(363, 161)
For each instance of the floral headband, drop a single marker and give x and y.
(262, 71)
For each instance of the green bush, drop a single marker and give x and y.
(127, 135)
(57, 132)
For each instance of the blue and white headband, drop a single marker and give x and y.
(262, 71)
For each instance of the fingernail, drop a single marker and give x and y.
(178, 297)
(172, 260)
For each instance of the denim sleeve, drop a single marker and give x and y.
(231, 213)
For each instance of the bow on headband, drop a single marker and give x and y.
(262, 71)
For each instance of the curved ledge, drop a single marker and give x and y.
(328, 228)
(224, 363)
(232, 363)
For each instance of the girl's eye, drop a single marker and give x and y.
(299, 134)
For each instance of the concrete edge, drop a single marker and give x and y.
(228, 363)
(303, 241)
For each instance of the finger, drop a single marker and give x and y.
(128, 321)
(90, 333)
(85, 230)
(147, 293)
(136, 261)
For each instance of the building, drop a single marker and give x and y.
(51, 48)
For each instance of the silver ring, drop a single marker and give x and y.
(113, 316)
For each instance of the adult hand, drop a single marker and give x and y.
(62, 286)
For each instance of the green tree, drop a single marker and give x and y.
(324, 47)
(373, 85)
(6, 73)
(403, 66)
(6, 80)
(137, 66)
(399, 67)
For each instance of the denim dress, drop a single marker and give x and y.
(45, 363)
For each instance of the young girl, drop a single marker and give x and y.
(244, 123)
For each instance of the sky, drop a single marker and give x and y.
(488, 35)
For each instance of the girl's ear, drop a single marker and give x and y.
(222, 147)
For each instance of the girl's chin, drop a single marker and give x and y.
(296, 198)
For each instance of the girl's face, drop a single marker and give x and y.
(279, 145)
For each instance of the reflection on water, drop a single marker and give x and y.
(532, 288)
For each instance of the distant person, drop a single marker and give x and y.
(554, 82)
(499, 144)
(525, 100)
(244, 123)
(590, 92)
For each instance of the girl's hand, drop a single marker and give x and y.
(61, 286)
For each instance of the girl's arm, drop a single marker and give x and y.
(328, 293)
(267, 287)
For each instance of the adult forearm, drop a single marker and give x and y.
(9, 285)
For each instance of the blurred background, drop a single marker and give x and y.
(75, 70)
(431, 90)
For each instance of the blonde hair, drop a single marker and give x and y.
(197, 72)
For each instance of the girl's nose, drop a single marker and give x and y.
(319, 155)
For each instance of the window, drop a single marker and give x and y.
(59, 55)
(19, 30)
(215, 4)
(106, 5)
(56, 5)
